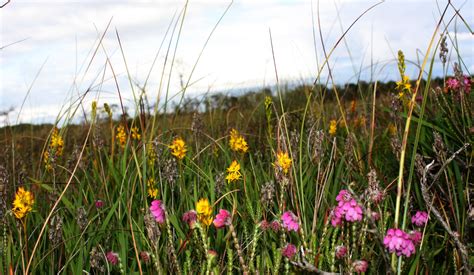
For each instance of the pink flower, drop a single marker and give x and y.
(452, 83)
(145, 256)
(289, 251)
(190, 217)
(360, 266)
(347, 209)
(290, 221)
(212, 253)
(275, 226)
(157, 209)
(222, 219)
(400, 242)
(416, 237)
(341, 251)
(343, 195)
(99, 204)
(420, 218)
(112, 257)
(467, 84)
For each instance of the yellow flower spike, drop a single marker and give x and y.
(135, 134)
(204, 212)
(283, 162)
(332, 127)
(233, 172)
(121, 136)
(23, 203)
(237, 142)
(178, 148)
(151, 189)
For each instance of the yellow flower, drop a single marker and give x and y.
(23, 203)
(392, 129)
(152, 156)
(283, 162)
(237, 142)
(178, 148)
(332, 127)
(135, 134)
(57, 143)
(121, 136)
(204, 212)
(151, 189)
(233, 172)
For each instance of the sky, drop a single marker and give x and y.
(52, 52)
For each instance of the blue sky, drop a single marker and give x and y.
(61, 35)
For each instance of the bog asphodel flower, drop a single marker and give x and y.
(332, 127)
(283, 162)
(233, 172)
(204, 212)
(121, 136)
(151, 189)
(178, 148)
(135, 134)
(237, 142)
(23, 203)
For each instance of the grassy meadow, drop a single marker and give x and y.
(368, 177)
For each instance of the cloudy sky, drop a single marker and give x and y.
(50, 53)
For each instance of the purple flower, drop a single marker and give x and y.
(157, 209)
(112, 257)
(99, 204)
(289, 251)
(290, 221)
(190, 218)
(420, 218)
(341, 251)
(222, 219)
(360, 266)
(400, 242)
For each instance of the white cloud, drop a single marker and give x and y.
(239, 54)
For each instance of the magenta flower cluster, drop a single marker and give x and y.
(455, 84)
(289, 251)
(420, 218)
(112, 257)
(341, 251)
(290, 221)
(400, 242)
(157, 209)
(190, 218)
(360, 266)
(347, 209)
(222, 219)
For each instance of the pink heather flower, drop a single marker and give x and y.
(375, 216)
(420, 218)
(343, 195)
(157, 209)
(190, 217)
(275, 225)
(341, 251)
(145, 256)
(452, 83)
(99, 204)
(467, 84)
(290, 221)
(416, 237)
(222, 219)
(289, 251)
(400, 242)
(112, 257)
(360, 266)
(348, 210)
